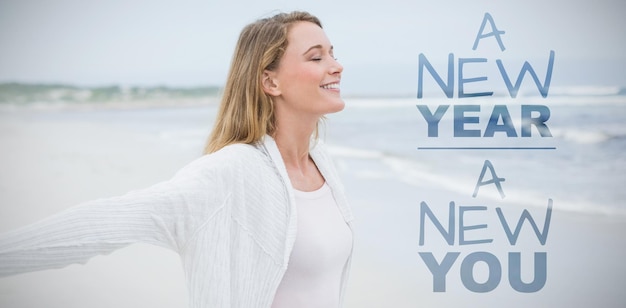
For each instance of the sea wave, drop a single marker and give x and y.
(22, 94)
(563, 100)
(585, 137)
(419, 175)
(27, 93)
(588, 90)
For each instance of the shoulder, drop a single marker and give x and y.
(236, 154)
(231, 159)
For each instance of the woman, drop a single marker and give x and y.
(262, 219)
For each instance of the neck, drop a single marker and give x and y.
(293, 137)
(293, 141)
(294, 148)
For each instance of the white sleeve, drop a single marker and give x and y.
(165, 214)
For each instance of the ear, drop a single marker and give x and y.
(269, 83)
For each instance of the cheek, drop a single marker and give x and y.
(311, 74)
(303, 75)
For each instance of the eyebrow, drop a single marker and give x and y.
(318, 46)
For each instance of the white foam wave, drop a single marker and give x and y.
(581, 136)
(586, 90)
(580, 98)
(342, 151)
(380, 103)
(420, 175)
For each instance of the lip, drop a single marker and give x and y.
(335, 85)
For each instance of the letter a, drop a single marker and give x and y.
(494, 32)
(494, 179)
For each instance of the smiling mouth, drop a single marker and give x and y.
(331, 86)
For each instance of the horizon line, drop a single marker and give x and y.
(486, 148)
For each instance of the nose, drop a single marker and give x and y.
(336, 68)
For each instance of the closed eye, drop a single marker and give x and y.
(321, 53)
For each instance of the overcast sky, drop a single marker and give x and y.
(188, 43)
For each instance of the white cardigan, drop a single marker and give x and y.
(230, 215)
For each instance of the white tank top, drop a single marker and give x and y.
(320, 252)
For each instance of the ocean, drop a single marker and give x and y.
(582, 166)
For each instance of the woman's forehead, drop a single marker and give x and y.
(304, 35)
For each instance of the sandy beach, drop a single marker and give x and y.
(54, 159)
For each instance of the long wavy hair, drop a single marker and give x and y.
(246, 112)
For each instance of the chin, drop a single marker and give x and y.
(337, 106)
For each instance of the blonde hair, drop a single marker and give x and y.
(246, 112)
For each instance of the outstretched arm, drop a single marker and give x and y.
(165, 214)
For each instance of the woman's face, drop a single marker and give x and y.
(308, 75)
